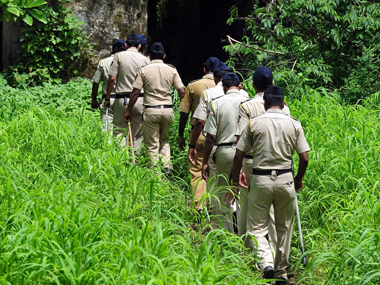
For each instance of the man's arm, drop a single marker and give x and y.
(94, 95)
(210, 141)
(181, 93)
(197, 129)
(132, 101)
(110, 85)
(303, 162)
(238, 162)
(182, 124)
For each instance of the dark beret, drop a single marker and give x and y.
(211, 63)
(231, 76)
(274, 89)
(263, 74)
(221, 66)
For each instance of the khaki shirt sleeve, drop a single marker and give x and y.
(98, 73)
(286, 110)
(177, 82)
(201, 111)
(211, 126)
(243, 120)
(138, 83)
(302, 145)
(114, 68)
(186, 102)
(245, 142)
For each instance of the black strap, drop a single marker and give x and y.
(226, 144)
(248, 156)
(160, 106)
(269, 172)
(113, 96)
(127, 95)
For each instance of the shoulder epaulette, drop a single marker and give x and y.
(100, 62)
(217, 98)
(172, 66)
(246, 101)
(212, 107)
(204, 94)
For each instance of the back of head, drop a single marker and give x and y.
(211, 63)
(263, 78)
(274, 96)
(133, 40)
(118, 46)
(220, 70)
(230, 80)
(157, 51)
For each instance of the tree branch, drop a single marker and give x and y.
(229, 39)
(256, 48)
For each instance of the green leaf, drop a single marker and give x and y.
(14, 11)
(27, 19)
(38, 15)
(7, 16)
(34, 3)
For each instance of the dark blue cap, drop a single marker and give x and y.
(274, 89)
(231, 76)
(119, 44)
(263, 74)
(157, 47)
(211, 62)
(142, 39)
(221, 66)
(133, 36)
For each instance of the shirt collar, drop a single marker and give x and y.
(274, 110)
(132, 50)
(220, 83)
(233, 92)
(157, 61)
(208, 76)
(259, 95)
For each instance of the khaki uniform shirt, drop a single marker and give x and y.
(101, 73)
(273, 137)
(208, 95)
(193, 94)
(157, 79)
(125, 66)
(222, 121)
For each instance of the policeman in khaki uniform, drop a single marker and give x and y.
(220, 128)
(124, 68)
(189, 104)
(157, 79)
(101, 75)
(262, 79)
(273, 138)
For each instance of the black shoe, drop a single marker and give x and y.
(198, 217)
(268, 272)
(168, 172)
(282, 282)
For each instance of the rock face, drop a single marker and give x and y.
(107, 21)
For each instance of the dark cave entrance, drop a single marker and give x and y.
(191, 31)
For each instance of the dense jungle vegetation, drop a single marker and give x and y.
(74, 210)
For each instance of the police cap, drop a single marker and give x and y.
(274, 89)
(118, 45)
(263, 74)
(211, 62)
(231, 77)
(221, 66)
(142, 39)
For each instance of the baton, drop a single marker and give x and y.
(300, 231)
(107, 119)
(130, 138)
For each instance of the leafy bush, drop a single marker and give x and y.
(27, 10)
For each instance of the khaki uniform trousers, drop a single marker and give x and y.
(197, 183)
(103, 115)
(155, 128)
(221, 210)
(266, 190)
(122, 126)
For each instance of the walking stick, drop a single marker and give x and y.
(300, 231)
(131, 141)
(106, 119)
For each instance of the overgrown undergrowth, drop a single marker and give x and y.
(73, 211)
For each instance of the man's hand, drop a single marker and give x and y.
(94, 104)
(127, 116)
(243, 181)
(232, 195)
(106, 104)
(205, 172)
(298, 184)
(193, 156)
(181, 143)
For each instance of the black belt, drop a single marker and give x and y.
(248, 156)
(160, 106)
(226, 144)
(113, 96)
(269, 172)
(126, 95)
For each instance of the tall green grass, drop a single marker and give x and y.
(74, 211)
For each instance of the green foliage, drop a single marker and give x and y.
(318, 43)
(26, 9)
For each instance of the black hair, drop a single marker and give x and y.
(274, 99)
(219, 74)
(133, 42)
(118, 49)
(229, 83)
(156, 52)
(260, 85)
(208, 69)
